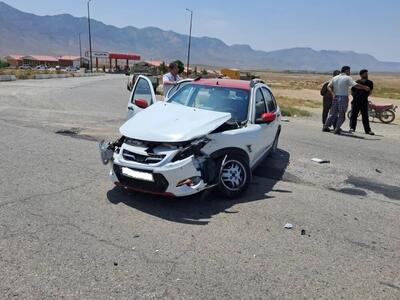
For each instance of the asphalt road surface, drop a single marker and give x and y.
(67, 233)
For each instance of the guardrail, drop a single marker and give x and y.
(7, 78)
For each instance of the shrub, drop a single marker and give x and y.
(3, 64)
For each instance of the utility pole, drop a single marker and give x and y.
(190, 40)
(90, 37)
(80, 51)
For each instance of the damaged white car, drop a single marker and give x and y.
(207, 133)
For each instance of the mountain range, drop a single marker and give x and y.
(26, 33)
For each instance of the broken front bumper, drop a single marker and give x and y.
(167, 179)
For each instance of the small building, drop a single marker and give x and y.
(36, 60)
(231, 73)
(155, 63)
(14, 60)
(72, 61)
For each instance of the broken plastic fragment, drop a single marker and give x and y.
(320, 161)
(288, 226)
(106, 153)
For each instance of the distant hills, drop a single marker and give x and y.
(27, 33)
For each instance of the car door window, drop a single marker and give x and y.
(177, 87)
(271, 105)
(142, 91)
(260, 104)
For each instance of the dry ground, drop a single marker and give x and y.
(302, 90)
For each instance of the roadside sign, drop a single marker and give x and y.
(98, 54)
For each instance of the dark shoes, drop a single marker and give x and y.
(338, 131)
(370, 133)
(326, 129)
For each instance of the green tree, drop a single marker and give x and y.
(163, 68)
(204, 72)
(3, 64)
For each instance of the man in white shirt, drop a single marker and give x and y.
(339, 89)
(171, 78)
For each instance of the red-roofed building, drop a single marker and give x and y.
(72, 61)
(36, 60)
(155, 63)
(14, 60)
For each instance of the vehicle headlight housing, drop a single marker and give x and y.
(193, 149)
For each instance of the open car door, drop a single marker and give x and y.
(142, 96)
(177, 87)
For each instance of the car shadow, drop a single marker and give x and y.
(199, 209)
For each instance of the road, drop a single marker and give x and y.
(67, 233)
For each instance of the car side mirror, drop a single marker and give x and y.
(266, 118)
(141, 103)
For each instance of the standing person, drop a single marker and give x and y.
(360, 102)
(171, 78)
(327, 99)
(339, 89)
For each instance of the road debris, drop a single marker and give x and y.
(320, 161)
(303, 232)
(115, 263)
(288, 226)
(379, 171)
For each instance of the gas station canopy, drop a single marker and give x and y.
(129, 56)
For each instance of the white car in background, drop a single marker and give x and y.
(208, 133)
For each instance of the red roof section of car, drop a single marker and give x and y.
(227, 83)
(130, 56)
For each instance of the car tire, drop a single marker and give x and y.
(235, 176)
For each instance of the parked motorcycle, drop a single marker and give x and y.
(386, 113)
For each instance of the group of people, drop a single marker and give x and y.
(336, 100)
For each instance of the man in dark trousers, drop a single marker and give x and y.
(339, 88)
(360, 103)
(327, 99)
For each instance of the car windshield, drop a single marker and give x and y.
(222, 99)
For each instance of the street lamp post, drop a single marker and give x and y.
(80, 51)
(190, 40)
(90, 37)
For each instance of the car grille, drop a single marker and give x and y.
(142, 159)
(159, 185)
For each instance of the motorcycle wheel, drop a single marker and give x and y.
(349, 115)
(387, 116)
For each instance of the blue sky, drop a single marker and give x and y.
(366, 26)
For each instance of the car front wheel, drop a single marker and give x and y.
(235, 176)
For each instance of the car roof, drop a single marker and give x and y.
(226, 83)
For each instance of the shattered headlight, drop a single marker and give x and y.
(193, 149)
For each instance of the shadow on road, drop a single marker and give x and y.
(199, 209)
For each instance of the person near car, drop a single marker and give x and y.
(327, 99)
(171, 78)
(360, 103)
(339, 89)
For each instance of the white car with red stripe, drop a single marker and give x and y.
(207, 133)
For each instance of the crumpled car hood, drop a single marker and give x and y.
(171, 123)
